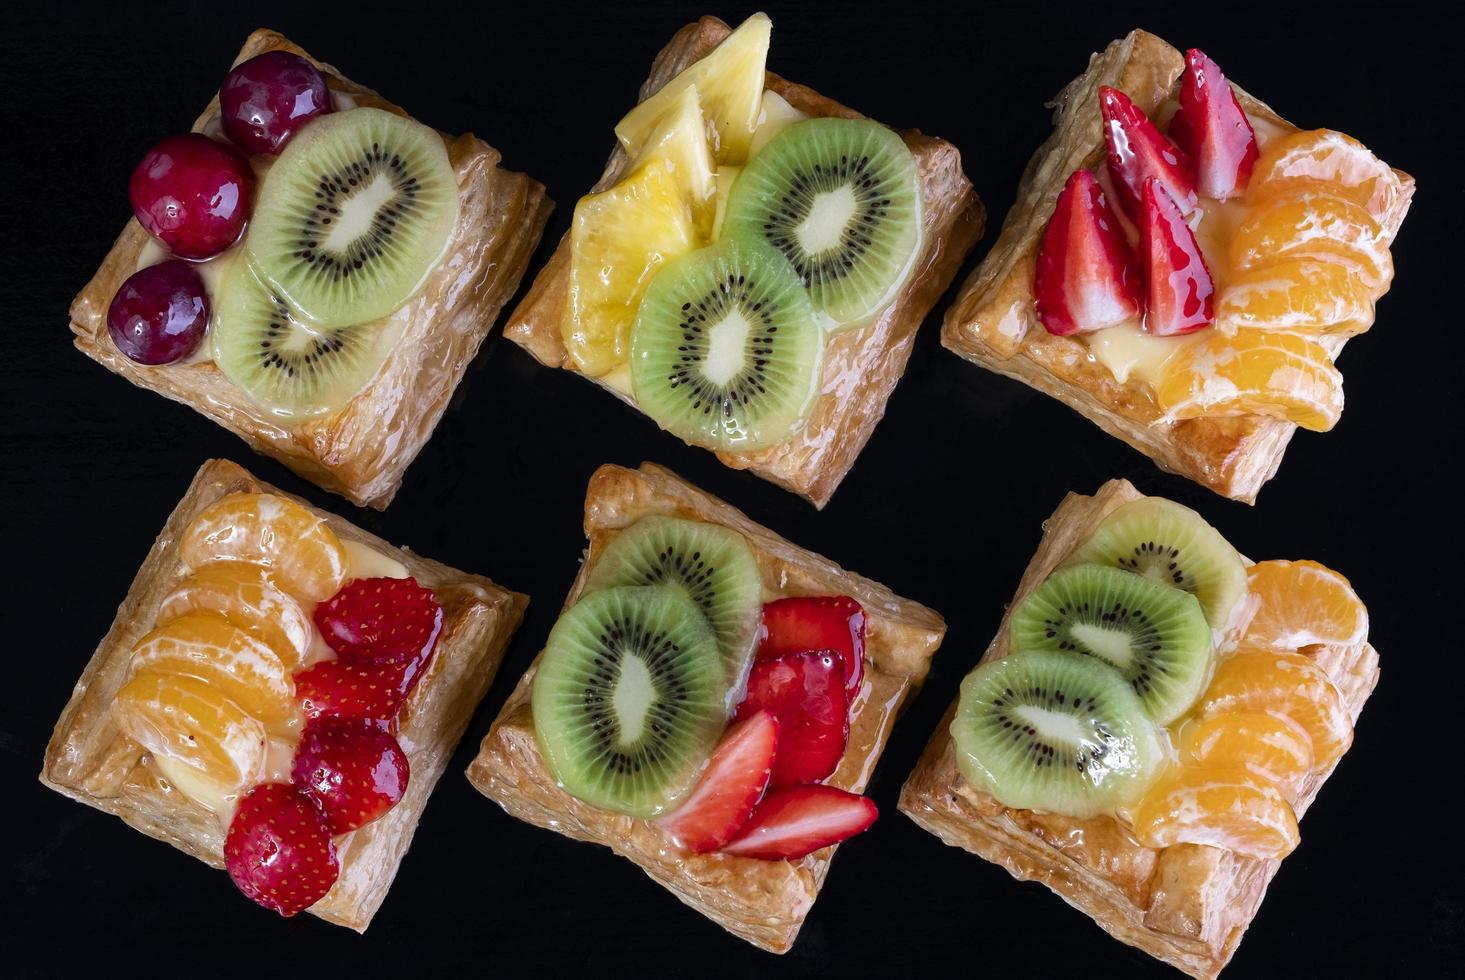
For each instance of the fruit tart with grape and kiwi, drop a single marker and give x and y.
(711, 703)
(312, 269)
(1153, 717)
(278, 695)
(1182, 265)
(752, 267)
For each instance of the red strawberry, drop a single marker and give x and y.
(1087, 278)
(392, 620)
(355, 771)
(730, 788)
(1137, 151)
(806, 693)
(360, 689)
(816, 623)
(792, 822)
(279, 851)
(1212, 130)
(1179, 284)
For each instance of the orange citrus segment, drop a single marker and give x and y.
(1326, 160)
(234, 664)
(1228, 808)
(185, 720)
(1285, 684)
(1305, 295)
(1322, 227)
(263, 529)
(1303, 603)
(1267, 745)
(248, 597)
(1255, 372)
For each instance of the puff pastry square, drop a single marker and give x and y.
(90, 760)
(993, 321)
(861, 367)
(362, 451)
(764, 902)
(1187, 905)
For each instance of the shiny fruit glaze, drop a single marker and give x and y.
(1268, 745)
(248, 597)
(1229, 808)
(279, 850)
(353, 770)
(265, 100)
(160, 313)
(233, 663)
(1320, 226)
(1303, 603)
(1287, 684)
(300, 550)
(1329, 161)
(186, 719)
(1087, 277)
(1254, 372)
(192, 194)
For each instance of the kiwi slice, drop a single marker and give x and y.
(354, 215)
(1155, 636)
(628, 699)
(725, 352)
(289, 365)
(1169, 543)
(841, 199)
(712, 564)
(1054, 731)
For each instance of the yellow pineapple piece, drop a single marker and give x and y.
(680, 138)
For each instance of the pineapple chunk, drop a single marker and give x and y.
(680, 138)
(725, 178)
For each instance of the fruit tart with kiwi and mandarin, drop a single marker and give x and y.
(312, 269)
(279, 694)
(751, 269)
(1153, 717)
(1183, 266)
(710, 704)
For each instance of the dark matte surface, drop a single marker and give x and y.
(944, 506)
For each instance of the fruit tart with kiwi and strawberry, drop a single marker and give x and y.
(278, 695)
(1153, 717)
(710, 704)
(312, 269)
(752, 267)
(1182, 266)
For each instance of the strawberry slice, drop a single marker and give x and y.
(793, 822)
(278, 849)
(806, 623)
(352, 769)
(391, 620)
(731, 787)
(806, 693)
(1138, 151)
(1212, 130)
(358, 689)
(1087, 277)
(1180, 291)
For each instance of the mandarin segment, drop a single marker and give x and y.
(1224, 807)
(1302, 603)
(1284, 684)
(1268, 745)
(233, 663)
(299, 548)
(1304, 295)
(246, 596)
(1254, 372)
(186, 720)
(1321, 227)
(1329, 161)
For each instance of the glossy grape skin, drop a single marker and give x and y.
(265, 100)
(192, 194)
(160, 313)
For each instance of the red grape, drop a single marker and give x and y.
(160, 313)
(192, 194)
(265, 100)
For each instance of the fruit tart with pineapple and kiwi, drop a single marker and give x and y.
(312, 269)
(1182, 266)
(278, 695)
(1153, 717)
(752, 267)
(711, 703)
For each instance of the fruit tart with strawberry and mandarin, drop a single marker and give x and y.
(1183, 266)
(312, 269)
(279, 694)
(1152, 719)
(752, 267)
(710, 704)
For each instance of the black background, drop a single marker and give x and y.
(944, 505)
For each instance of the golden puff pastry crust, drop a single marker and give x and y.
(90, 760)
(361, 451)
(861, 366)
(1187, 905)
(993, 321)
(764, 902)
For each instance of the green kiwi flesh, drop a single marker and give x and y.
(725, 352)
(712, 564)
(1167, 542)
(841, 199)
(1056, 732)
(354, 215)
(629, 698)
(1156, 637)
